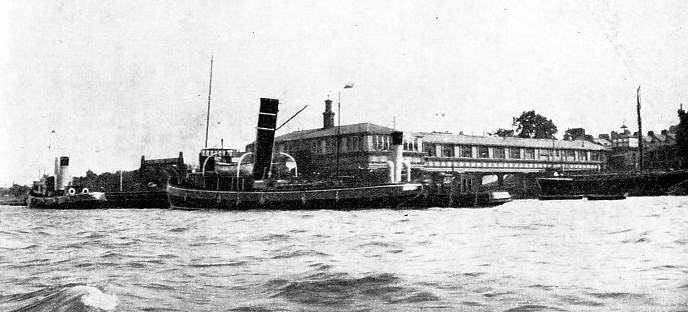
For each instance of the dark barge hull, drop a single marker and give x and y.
(560, 197)
(633, 184)
(78, 201)
(607, 197)
(134, 200)
(345, 198)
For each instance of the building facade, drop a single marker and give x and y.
(463, 153)
(659, 150)
(366, 146)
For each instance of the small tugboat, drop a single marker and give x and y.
(456, 191)
(222, 182)
(58, 192)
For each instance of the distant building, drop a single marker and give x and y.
(603, 140)
(624, 140)
(659, 150)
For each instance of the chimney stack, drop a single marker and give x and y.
(328, 115)
(62, 177)
(397, 154)
(265, 138)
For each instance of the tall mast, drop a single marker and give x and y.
(640, 134)
(339, 126)
(210, 89)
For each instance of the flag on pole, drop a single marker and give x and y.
(349, 86)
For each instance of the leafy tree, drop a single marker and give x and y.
(19, 190)
(574, 134)
(535, 126)
(504, 133)
(682, 137)
(109, 181)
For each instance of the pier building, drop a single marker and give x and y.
(464, 153)
(365, 146)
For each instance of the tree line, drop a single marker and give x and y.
(530, 126)
(535, 126)
(16, 191)
(110, 181)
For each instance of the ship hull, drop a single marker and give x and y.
(633, 184)
(78, 201)
(344, 198)
(482, 199)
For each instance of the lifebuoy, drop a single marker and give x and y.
(71, 191)
(84, 190)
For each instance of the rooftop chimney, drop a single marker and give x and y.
(328, 115)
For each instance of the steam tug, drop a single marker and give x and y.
(58, 192)
(224, 182)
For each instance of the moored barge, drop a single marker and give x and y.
(630, 183)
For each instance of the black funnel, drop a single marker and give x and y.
(265, 138)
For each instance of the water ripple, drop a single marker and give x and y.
(340, 289)
(533, 308)
(299, 253)
(223, 264)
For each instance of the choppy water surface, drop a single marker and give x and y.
(529, 255)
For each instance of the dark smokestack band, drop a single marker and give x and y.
(265, 137)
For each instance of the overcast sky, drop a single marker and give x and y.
(105, 82)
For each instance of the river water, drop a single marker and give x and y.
(527, 255)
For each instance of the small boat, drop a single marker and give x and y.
(445, 190)
(58, 192)
(480, 199)
(224, 183)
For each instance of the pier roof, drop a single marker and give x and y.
(435, 137)
(441, 137)
(364, 127)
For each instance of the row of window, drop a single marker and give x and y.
(384, 143)
(222, 152)
(499, 152)
(348, 144)
(471, 164)
(324, 146)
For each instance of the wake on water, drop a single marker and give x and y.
(71, 297)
